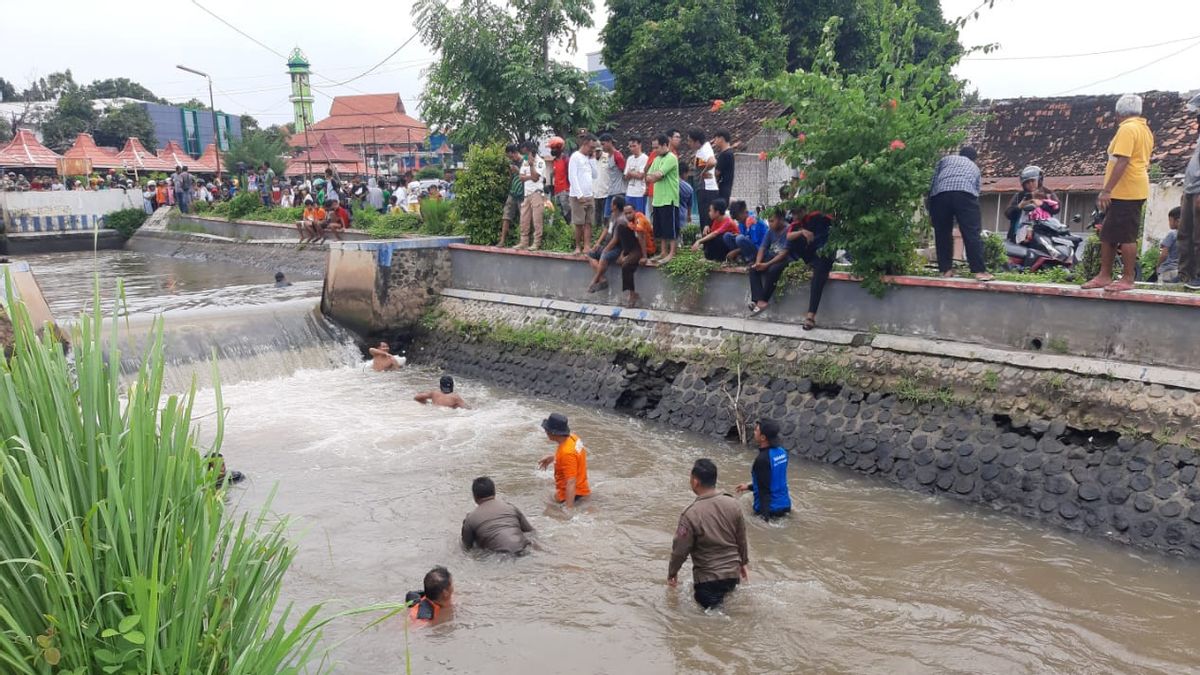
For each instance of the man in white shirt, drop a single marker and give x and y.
(706, 164)
(599, 186)
(635, 176)
(532, 171)
(579, 172)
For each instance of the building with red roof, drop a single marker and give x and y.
(370, 125)
(85, 148)
(328, 152)
(135, 156)
(25, 152)
(207, 162)
(174, 154)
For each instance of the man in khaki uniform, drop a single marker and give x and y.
(713, 532)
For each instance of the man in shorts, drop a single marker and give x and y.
(664, 176)
(602, 255)
(582, 201)
(1126, 188)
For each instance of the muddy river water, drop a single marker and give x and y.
(863, 578)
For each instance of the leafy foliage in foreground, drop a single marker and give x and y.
(480, 190)
(116, 555)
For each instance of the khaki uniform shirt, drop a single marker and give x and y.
(496, 526)
(713, 531)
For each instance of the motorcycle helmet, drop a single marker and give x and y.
(1031, 172)
(556, 142)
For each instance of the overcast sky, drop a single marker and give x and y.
(350, 36)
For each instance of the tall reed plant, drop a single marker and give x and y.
(116, 551)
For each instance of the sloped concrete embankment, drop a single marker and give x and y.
(1123, 487)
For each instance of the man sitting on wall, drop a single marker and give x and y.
(311, 223)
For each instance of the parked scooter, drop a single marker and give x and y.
(1043, 242)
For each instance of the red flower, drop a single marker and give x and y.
(762, 156)
(897, 145)
(717, 104)
(801, 137)
(892, 103)
(793, 123)
(803, 174)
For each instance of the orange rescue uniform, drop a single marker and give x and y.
(570, 461)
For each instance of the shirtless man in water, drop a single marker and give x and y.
(382, 358)
(445, 398)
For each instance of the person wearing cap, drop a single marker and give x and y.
(494, 525)
(1126, 189)
(444, 397)
(712, 530)
(768, 475)
(382, 358)
(569, 459)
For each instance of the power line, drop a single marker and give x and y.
(385, 60)
(1079, 55)
(1132, 70)
(238, 30)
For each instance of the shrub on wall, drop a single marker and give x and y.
(480, 190)
(243, 205)
(126, 221)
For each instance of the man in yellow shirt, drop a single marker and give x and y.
(570, 462)
(1126, 188)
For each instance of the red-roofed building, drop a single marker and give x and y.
(328, 152)
(85, 148)
(135, 156)
(374, 123)
(175, 155)
(25, 152)
(207, 162)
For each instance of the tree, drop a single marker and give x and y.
(128, 121)
(255, 147)
(195, 104)
(654, 52)
(6, 131)
(8, 92)
(280, 132)
(492, 81)
(855, 46)
(121, 87)
(878, 132)
(73, 115)
(249, 123)
(551, 21)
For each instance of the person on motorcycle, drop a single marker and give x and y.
(1032, 179)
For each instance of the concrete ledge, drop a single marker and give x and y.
(1135, 327)
(247, 229)
(26, 243)
(271, 254)
(406, 244)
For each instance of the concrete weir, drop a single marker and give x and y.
(1074, 439)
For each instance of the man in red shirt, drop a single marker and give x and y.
(718, 247)
(562, 184)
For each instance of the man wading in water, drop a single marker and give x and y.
(382, 358)
(426, 606)
(768, 476)
(570, 462)
(445, 398)
(713, 532)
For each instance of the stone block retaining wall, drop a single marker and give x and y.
(840, 404)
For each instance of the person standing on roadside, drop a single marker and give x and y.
(569, 460)
(724, 166)
(561, 185)
(635, 175)
(1189, 214)
(494, 525)
(613, 168)
(1126, 189)
(516, 193)
(768, 475)
(664, 177)
(712, 530)
(579, 173)
(533, 168)
(954, 196)
(706, 167)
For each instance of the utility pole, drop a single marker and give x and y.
(213, 107)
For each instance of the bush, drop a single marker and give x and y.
(243, 204)
(1090, 264)
(865, 143)
(438, 217)
(689, 271)
(480, 191)
(394, 224)
(220, 209)
(1148, 261)
(994, 255)
(116, 551)
(126, 221)
(429, 172)
(364, 219)
(200, 208)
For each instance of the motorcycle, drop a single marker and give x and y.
(1039, 243)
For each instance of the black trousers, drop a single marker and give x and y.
(944, 209)
(711, 593)
(716, 249)
(628, 269)
(821, 265)
(762, 284)
(703, 199)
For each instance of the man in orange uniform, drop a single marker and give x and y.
(570, 462)
(426, 606)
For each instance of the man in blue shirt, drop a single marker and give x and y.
(686, 195)
(768, 475)
(751, 230)
(954, 195)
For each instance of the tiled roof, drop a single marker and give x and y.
(85, 148)
(380, 116)
(1069, 136)
(135, 156)
(743, 122)
(327, 151)
(24, 151)
(208, 161)
(176, 155)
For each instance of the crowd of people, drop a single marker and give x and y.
(711, 531)
(629, 209)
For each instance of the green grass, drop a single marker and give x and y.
(117, 554)
(543, 336)
(908, 389)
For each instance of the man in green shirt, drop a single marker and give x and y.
(516, 193)
(664, 175)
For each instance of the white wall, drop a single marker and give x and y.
(1163, 198)
(80, 208)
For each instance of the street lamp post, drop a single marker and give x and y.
(213, 107)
